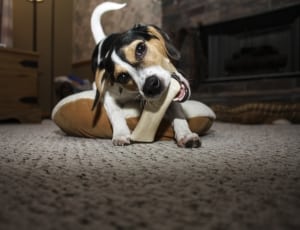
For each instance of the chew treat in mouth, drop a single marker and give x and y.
(153, 113)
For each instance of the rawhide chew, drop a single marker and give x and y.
(153, 113)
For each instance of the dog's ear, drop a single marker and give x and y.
(173, 53)
(171, 50)
(95, 55)
(101, 81)
(101, 76)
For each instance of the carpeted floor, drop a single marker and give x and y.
(243, 177)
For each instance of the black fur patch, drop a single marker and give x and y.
(96, 100)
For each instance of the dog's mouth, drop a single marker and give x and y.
(184, 91)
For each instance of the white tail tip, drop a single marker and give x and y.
(96, 27)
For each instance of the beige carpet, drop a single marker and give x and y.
(243, 177)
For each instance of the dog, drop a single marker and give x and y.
(136, 65)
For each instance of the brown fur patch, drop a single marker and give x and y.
(129, 52)
(158, 35)
(100, 82)
(130, 85)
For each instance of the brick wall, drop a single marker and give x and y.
(182, 14)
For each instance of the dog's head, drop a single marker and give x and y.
(138, 60)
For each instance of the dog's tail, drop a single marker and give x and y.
(96, 27)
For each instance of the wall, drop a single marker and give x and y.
(64, 39)
(136, 11)
(54, 41)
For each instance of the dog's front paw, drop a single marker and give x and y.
(191, 140)
(121, 140)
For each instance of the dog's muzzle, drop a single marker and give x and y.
(153, 87)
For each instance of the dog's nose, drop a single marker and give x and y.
(152, 86)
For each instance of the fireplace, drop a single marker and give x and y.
(256, 47)
(241, 57)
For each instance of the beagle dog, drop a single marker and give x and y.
(136, 66)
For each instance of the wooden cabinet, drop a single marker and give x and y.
(19, 85)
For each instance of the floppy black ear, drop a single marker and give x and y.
(96, 99)
(95, 55)
(172, 52)
(102, 82)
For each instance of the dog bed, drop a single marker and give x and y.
(74, 115)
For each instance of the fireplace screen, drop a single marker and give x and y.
(255, 47)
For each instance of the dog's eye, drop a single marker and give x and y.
(140, 51)
(123, 78)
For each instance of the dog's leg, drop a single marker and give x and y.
(121, 132)
(183, 135)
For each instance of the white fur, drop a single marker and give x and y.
(96, 27)
(121, 132)
(182, 131)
